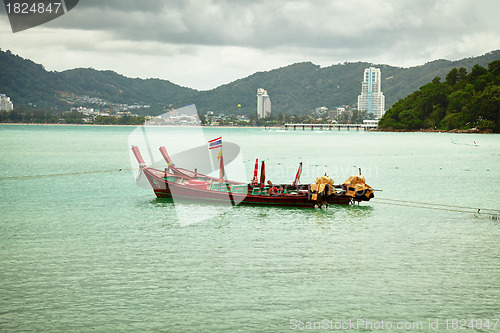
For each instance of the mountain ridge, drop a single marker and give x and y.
(294, 89)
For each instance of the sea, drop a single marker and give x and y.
(85, 248)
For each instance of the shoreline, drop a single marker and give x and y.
(391, 130)
(44, 124)
(118, 125)
(430, 130)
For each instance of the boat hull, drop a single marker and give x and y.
(182, 191)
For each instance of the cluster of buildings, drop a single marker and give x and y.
(371, 99)
(105, 108)
(179, 118)
(340, 111)
(5, 103)
(173, 118)
(91, 113)
(101, 103)
(212, 119)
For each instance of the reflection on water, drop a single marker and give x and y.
(221, 211)
(342, 212)
(158, 201)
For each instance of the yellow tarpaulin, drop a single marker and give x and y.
(357, 184)
(320, 186)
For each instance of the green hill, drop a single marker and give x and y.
(28, 83)
(462, 101)
(116, 88)
(294, 89)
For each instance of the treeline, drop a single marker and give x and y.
(43, 117)
(463, 101)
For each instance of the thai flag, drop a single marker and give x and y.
(215, 143)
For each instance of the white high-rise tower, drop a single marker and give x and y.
(263, 104)
(372, 99)
(5, 103)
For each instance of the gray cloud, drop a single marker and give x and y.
(278, 31)
(267, 24)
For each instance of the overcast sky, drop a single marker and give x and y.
(202, 44)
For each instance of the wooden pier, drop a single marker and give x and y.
(329, 127)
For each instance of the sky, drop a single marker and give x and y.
(203, 44)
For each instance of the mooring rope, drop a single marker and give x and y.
(435, 206)
(62, 174)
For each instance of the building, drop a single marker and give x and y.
(339, 112)
(372, 99)
(318, 112)
(5, 103)
(370, 122)
(263, 104)
(85, 111)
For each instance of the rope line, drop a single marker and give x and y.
(62, 174)
(424, 205)
(440, 205)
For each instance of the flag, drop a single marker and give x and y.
(219, 156)
(262, 175)
(296, 181)
(255, 172)
(215, 143)
(221, 170)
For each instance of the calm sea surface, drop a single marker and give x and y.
(83, 250)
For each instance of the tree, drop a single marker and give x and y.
(281, 117)
(477, 71)
(452, 77)
(494, 68)
(73, 117)
(462, 74)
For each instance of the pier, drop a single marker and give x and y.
(321, 127)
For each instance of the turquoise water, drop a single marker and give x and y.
(83, 251)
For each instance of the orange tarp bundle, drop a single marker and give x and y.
(319, 187)
(324, 180)
(356, 184)
(316, 189)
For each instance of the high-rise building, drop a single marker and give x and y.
(372, 99)
(5, 103)
(263, 104)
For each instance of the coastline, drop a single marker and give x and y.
(117, 125)
(44, 124)
(430, 130)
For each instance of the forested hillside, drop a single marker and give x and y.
(28, 84)
(462, 101)
(294, 89)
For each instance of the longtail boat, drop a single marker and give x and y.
(178, 183)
